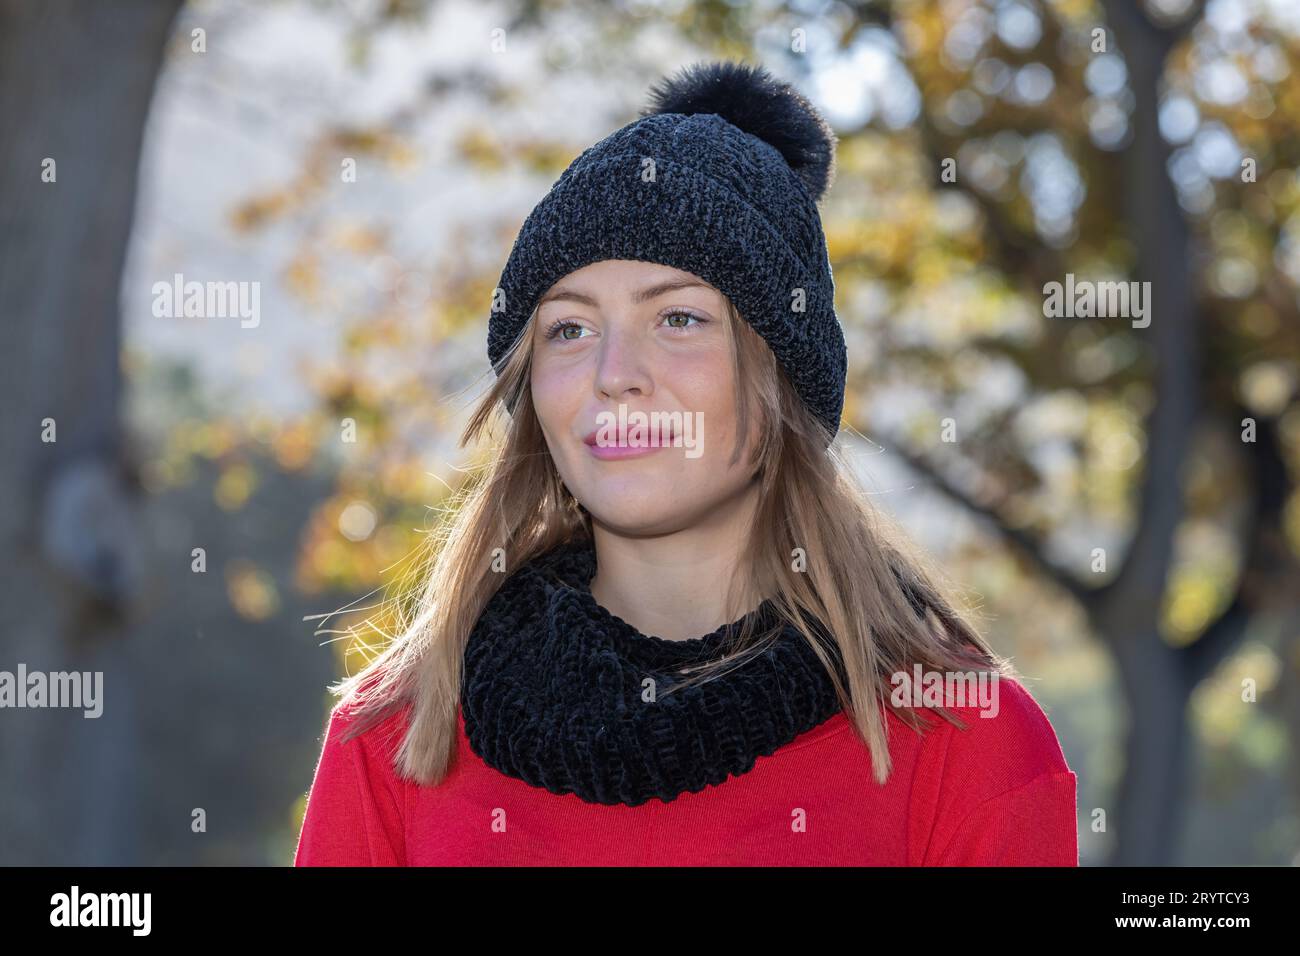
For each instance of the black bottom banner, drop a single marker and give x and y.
(328, 905)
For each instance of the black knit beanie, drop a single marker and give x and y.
(719, 177)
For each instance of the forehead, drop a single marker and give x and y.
(623, 279)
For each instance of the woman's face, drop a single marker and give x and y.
(633, 385)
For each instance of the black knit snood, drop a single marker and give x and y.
(562, 694)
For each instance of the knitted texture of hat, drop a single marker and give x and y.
(719, 177)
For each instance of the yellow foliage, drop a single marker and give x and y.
(252, 591)
(234, 486)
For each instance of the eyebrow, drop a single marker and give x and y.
(643, 295)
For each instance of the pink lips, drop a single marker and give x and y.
(655, 442)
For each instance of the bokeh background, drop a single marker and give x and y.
(1119, 501)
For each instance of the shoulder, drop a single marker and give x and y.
(1007, 740)
(996, 791)
(357, 804)
(371, 745)
(1004, 766)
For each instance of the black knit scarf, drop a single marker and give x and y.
(554, 692)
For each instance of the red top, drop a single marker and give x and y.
(996, 794)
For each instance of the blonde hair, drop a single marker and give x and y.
(876, 598)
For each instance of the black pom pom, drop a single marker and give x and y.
(752, 99)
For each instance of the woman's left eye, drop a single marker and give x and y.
(670, 316)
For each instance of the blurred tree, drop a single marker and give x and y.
(1049, 116)
(76, 82)
(1191, 365)
(999, 145)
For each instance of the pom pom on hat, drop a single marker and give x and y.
(751, 99)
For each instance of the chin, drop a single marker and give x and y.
(625, 486)
(635, 515)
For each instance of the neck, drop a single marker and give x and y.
(675, 585)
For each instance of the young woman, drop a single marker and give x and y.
(666, 626)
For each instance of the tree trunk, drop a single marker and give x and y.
(76, 80)
(1155, 675)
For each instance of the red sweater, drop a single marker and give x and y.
(997, 794)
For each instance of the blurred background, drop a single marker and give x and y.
(182, 496)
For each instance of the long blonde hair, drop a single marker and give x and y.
(877, 599)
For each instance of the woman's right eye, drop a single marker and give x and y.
(560, 328)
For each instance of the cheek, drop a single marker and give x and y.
(704, 384)
(557, 394)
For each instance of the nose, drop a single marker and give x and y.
(620, 368)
